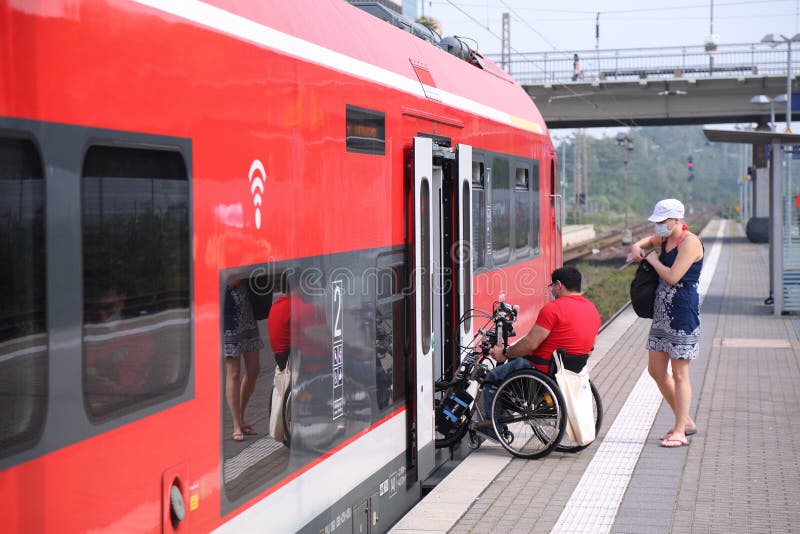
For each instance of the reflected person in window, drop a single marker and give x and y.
(240, 339)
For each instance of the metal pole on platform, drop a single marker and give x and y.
(776, 227)
(626, 143)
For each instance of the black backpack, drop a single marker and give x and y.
(643, 288)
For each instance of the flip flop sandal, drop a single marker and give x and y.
(247, 430)
(688, 433)
(670, 443)
(237, 436)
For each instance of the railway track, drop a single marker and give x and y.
(613, 238)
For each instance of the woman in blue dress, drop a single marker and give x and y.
(675, 332)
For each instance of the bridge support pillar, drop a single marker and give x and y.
(761, 182)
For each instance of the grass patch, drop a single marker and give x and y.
(609, 292)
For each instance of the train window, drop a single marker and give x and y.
(478, 215)
(365, 131)
(136, 279)
(425, 268)
(390, 332)
(501, 210)
(535, 207)
(23, 297)
(523, 207)
(466, 251)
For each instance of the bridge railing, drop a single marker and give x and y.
(662, 63)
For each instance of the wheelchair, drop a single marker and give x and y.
(528, 413)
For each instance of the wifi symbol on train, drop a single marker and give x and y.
(256, 176)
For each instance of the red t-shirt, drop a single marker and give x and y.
(284, 310)
(279, 325)
(573, 322)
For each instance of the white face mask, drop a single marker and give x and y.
(662, 230)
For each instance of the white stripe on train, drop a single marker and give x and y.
(242, 28)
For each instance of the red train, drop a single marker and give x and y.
(154, 153)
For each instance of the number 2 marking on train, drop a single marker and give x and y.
(337, 349)
(337, 309)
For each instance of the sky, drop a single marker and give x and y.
(569, 25)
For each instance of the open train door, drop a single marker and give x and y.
(442, 277)
(427, 230)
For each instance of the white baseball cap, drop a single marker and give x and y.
(669, 208)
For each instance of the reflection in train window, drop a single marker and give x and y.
(136, 279)
(501, 210)
(478, 215)
(523, 204)
(23, 298)
(535, 208)
(465, 253)
(426, 320)
(390, 329)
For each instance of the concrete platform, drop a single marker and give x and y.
(575, 234)
(740, 472)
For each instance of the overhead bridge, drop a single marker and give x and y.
(654, 86)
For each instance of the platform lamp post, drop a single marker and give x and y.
(759, 100)
(626, 144)
(773, 40)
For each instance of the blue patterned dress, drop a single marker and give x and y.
(676, 312)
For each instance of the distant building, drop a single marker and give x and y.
(410, 9)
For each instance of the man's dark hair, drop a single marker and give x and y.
(569, 276)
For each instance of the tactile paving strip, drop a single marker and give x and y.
(249, 457)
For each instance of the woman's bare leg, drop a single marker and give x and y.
(232, 380)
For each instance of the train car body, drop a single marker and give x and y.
(157, 159)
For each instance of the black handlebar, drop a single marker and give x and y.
(503, 318)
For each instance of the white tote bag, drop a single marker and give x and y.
(281, 382)
(577, 393)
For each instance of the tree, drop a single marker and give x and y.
(430, 23)
(657, 170)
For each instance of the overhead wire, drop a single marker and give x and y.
(569, 89)
(642, 9)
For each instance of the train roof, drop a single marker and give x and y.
(343, 37)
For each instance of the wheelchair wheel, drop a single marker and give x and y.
(287, 417)
(528, 414)
(566, 444)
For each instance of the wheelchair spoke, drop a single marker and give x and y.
(528, 414)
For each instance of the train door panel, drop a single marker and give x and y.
(423, 303)
(463, 250)
(442, 276)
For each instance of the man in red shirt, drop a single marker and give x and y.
(569, 322)
(279, 327)
(309, 326)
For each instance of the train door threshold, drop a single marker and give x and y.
(438, 475)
